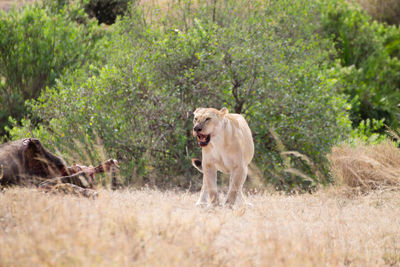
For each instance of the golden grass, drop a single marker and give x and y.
(367, 166)
(152, 228)
(7, 4)
(382, 10)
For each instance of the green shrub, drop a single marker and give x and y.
(265, 62)
(36, 48)
(369, 64)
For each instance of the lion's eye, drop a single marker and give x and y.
(208, 119)
(195, 119)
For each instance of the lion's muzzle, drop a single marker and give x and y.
(203, 139)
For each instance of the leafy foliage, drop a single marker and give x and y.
(275, 71)
(36, 48)
(369, 62)
(297, 70)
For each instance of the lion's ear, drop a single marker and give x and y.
(224, 111)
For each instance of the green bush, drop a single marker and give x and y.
(263, 60)
(369, 62)
(36, 48)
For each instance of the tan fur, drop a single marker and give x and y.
(230, 150)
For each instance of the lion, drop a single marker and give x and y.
(227, 146)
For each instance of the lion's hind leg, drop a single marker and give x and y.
(235, 192)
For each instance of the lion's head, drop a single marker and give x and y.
(206, 124)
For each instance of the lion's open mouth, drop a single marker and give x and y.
(203, 139)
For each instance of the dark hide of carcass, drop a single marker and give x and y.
(27, 162)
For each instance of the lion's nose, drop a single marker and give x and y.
(197, 128)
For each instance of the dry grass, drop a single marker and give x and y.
(382, 10)
(367, 166)
(152, 228)
(7, 4)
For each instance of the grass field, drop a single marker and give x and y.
(7, 4)
(153, 228)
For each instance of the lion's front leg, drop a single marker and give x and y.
(210, 180)
(237, 179)
(203, 199)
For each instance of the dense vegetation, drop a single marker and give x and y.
(305, 74)
(37, 47)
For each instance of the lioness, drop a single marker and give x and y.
(227, 146)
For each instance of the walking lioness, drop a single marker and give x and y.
(227, 146)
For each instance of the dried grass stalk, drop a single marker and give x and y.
(382, 10)
(366, 166)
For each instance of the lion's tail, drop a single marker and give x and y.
(197, 164)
